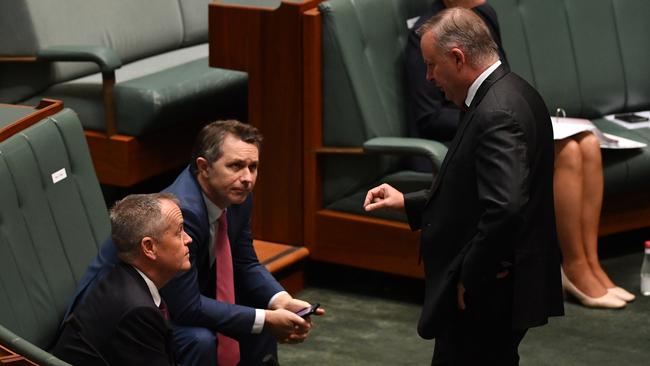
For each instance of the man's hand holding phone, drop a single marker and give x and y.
(308, 311)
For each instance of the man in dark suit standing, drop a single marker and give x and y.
(214, 193)
(488, 240)
(123, 321)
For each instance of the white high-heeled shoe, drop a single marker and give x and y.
(621, 293)
(607, 301)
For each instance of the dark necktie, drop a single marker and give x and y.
(163, 309)
(228, 348)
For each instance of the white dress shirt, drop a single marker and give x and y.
(479, 80)
(155, 295)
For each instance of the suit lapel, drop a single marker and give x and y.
(497, 74)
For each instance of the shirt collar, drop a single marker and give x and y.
(479, 80)
(155, 295)
(214, 211)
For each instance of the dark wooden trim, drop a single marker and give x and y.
(312, 120)
(276, 257)
(9, 357)
(45, 108)
(18, 58)
(339, 150)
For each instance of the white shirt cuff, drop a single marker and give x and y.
(268, 306)
(260, 315)
(258, 324)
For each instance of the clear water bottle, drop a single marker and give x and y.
(645, 271)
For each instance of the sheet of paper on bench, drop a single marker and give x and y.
(564, 127)
(631, 126)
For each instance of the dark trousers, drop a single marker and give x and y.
(196, 346)
(482, 333)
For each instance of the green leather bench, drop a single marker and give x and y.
(136, 72)
(52, 221)
(589, 57)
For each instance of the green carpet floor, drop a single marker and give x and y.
(371, 320)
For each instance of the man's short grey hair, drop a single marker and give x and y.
(462, 28)
(137, 216)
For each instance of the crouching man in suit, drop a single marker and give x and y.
(124, 321)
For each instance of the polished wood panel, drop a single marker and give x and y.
(625, 212)
(123, 161)
(366, 242)
(268, 45)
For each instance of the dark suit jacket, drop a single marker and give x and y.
(190, 295)
(118, 324)
(492, 203)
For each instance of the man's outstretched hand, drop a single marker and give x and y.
(384, 196)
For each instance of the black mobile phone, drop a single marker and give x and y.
(308, 311)
(630, 117)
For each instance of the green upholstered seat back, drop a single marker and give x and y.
(135, 29)
(364, 93)
(587, 56)
(195, 21)
(52, 221)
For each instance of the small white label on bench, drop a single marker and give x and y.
(59, 175)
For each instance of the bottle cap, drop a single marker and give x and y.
(647, 244)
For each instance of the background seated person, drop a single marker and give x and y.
(123, 321)
(227, 309)
(578, 177)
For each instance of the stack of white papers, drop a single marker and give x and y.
(564, 127)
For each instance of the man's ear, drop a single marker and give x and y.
(148, 246)
(459, 57)
(202, 166)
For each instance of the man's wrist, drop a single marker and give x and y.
(279, 300)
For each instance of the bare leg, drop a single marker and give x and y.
(568, 193)
(592, 202)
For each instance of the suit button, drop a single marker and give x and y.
(428, 224)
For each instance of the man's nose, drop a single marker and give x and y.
(429, 76)
(186, 238)
(247, 175)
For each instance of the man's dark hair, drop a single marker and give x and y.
(209, 142)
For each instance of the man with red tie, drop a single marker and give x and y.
(227, 309)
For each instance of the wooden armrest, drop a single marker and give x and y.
(275, 256)
(45, 108)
